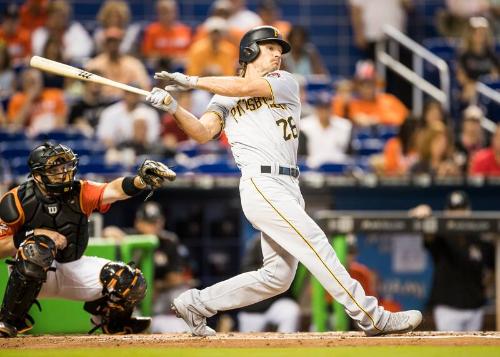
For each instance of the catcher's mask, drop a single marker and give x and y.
(53, 167)
(249, 44)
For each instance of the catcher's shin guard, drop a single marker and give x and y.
(124, 287)
(33, 259)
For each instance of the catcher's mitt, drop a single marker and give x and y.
(153, 173)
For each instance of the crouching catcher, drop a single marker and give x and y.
(44, 226)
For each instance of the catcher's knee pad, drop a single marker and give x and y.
(33, 259)
(35, 256)
(124, 287)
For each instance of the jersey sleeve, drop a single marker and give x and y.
(6, 230)
(217, 107)
(284, 87)
(91, 197)
(11, 214)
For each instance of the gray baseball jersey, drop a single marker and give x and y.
(263, 130)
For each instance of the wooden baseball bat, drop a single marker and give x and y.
(65, 70)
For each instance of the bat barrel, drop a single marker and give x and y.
(65, 70)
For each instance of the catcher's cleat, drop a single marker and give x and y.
(132, 325)
(197, 323)
(399, 322)
(7, 330)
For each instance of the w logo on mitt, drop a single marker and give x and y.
(154, 173)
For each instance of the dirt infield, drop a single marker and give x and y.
(261, 340)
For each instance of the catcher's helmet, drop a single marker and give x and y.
(56, 166)
(249, 44)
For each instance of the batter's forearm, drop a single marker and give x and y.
(235, 86)
(192, 126)
(114, 190)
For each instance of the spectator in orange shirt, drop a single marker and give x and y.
(36, 108)
(270, 14)
(117, 66)
(400, 152)
(34, 14)
(166, 38)
(486, 162)
(15, 36)
(213, 55)
(371, 107)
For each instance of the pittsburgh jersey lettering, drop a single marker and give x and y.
(250, 104)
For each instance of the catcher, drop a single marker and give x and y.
(44, 224)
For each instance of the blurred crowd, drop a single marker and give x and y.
(357, 122)
(349, 124)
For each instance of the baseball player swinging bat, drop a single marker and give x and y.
(65, 70)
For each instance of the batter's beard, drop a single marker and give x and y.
(272, 69)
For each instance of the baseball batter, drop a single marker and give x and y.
(44, 224)
(260, 113)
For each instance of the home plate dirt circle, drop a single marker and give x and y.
(255, 340)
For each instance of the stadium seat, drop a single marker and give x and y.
(363, 163)
(60, 135)
(9, 136)
(189, 148)
(386, 132)
(303, 167)
(491, 108)
(11, 152)
(19, 166)
(333, 168)
(316, 85)
(92, 159)
(101, 169)
(367, 147)
(218, 167)
(442, 47)
(363, 133)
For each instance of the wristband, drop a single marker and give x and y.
(129, 188)
(21, 235)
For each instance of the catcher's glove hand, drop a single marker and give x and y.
(153, 173)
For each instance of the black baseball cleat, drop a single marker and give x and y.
(131, 325)
(137, 324)
(7, 330)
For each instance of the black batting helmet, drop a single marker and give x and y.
(56, 164)
(249, 44)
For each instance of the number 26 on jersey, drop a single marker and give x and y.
(289, 128)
